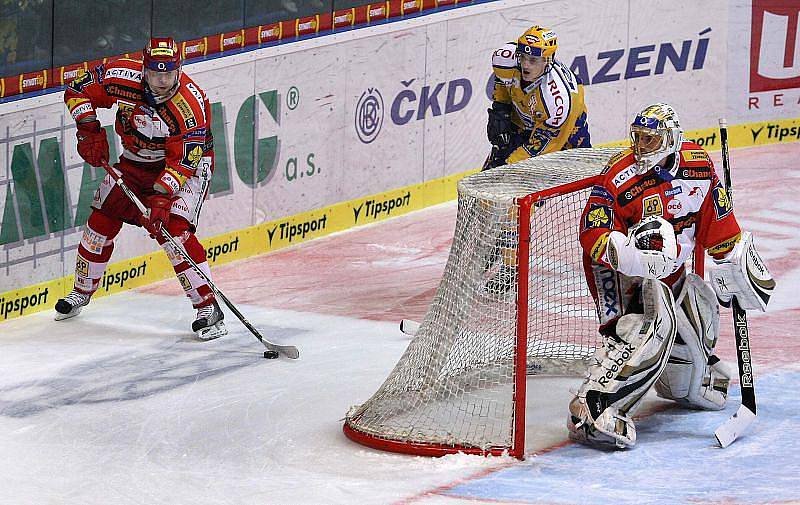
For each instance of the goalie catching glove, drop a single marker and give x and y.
(649, 250)
(743, 274)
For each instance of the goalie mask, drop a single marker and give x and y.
(536, 50)
(162, 69)
(655, 134)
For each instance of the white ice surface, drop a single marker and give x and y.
(110, 408)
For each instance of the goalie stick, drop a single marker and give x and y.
(409, 327)
(737, 424)
(289, 351)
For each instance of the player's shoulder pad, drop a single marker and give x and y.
(189, 103)
(693, 155)
(619, 170)
(122, 71)
(566, 75)
(694, 163)
(504, 62)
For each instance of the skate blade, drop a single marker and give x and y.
(72, 313)
(212, 332)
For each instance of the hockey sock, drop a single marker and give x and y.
(196, 289)
(94, 251)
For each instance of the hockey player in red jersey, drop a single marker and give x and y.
(164, 121)
(655, 202)
(537, 102)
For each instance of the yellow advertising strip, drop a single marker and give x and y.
(241, 244)
(779, 131)
(275, 235)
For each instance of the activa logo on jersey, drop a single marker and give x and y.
(123, 73)
(623, 176)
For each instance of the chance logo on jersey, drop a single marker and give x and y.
(599, 216)
(722, 204)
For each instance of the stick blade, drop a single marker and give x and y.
(409, 327)
(289, 351)
(735, 426)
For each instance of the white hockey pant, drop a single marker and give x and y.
(694, 377)
(624, 369)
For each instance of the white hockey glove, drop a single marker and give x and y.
(743, 274)
(650, 250)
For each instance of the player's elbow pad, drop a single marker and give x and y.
(743, 274)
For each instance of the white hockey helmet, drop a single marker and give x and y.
(655, 134)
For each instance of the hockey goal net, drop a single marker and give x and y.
(512, 302)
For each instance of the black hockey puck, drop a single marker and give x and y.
(270, 354)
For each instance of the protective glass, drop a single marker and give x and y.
(645, 141)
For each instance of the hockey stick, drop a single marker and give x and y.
(289, 351)
(729, 431)
(409, 327)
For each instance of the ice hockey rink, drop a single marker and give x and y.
(122, 406)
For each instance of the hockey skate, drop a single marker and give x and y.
(71, 305)
(208, 324)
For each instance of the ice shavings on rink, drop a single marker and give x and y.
(676, 460)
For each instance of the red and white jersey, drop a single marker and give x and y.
(177, 131)
(690, 196)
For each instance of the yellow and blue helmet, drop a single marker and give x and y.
(538, 41)
(655, 134)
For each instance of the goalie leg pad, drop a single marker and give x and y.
(693, 376)
(624, 369)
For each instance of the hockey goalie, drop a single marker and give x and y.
(655, 202)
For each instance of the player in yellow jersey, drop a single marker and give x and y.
(537, 103)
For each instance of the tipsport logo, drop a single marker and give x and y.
(369, 115)
(774, 62)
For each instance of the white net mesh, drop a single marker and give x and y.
(454, 385)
